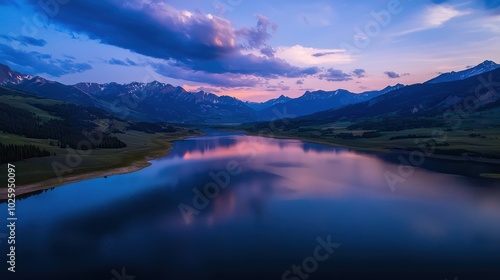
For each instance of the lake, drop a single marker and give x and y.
(230, 206)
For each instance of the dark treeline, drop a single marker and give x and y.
(11, 153)
(151, 127)
(410, 136)
(69, 131)
(396, 124)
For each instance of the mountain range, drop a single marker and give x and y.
(156, 101)
(484, 67)
(457, 99)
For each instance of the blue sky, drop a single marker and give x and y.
(253, 50)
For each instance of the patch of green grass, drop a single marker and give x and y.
(490, 175)
(140, 147)
(449, 141)
(25, 103)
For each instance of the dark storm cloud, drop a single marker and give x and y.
(36, 63)
(249, 65)
(223, 80)
(195, 41)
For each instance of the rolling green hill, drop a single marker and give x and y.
(54, 141)
(458, 119)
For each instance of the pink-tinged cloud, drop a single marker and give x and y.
(191, 41)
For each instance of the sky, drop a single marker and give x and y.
(250, 49)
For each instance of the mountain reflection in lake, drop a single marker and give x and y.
(286, 195)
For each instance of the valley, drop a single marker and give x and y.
(458, 119)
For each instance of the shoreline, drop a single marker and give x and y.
(55, 183)
(27, 189)
(390, 151)
(377, 150)
(32, 188)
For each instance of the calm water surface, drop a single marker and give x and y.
(278, 198)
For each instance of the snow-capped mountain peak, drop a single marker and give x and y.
(479, 69)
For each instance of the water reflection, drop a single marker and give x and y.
(264, 219)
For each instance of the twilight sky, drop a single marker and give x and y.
(251, 49)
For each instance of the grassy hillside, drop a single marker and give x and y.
(142, 141)
(457, 120)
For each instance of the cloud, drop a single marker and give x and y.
(439, 14)
(202, 88)
(306, 21)
(126, 62)
(188, 40)
(257, 37)
(320, 54)
(335, 75)
(130, 62)
(433, 17)
(277, 87)
(228, 80)
(307, 56)
(249, 64)
(37, 63)
(392, 74)
(299, 82)
(492, 23)
(25, 40)
(359, 73)
(158, 30)
(115, 61)
(268, 51)
(492, 5)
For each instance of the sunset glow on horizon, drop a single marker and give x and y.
(251, 50)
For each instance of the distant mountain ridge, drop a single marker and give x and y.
(156, 101)
(43, 87)
(485, 66)
(315, 101)
(166, 102)
(419, 100)
(264, 105)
